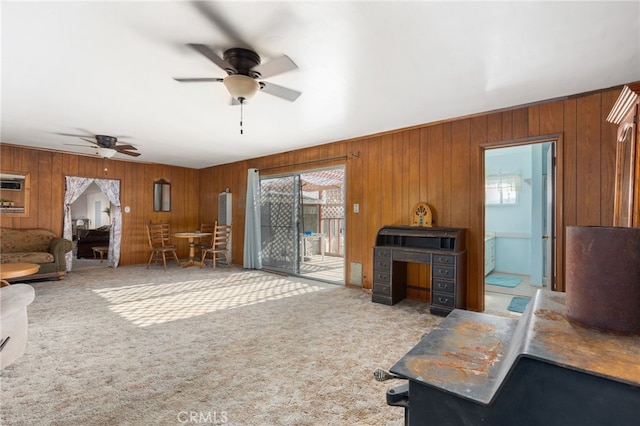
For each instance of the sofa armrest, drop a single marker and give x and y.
(58, 248)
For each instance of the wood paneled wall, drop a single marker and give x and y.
(48, 170)
(439, 163)
(442, 164)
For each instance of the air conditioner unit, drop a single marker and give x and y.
(224, 215)
(11, 185)
(224, 208)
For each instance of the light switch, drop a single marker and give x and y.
(356, 208)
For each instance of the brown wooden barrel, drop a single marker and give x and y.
(603, 278)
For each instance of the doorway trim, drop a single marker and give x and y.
(558, 216)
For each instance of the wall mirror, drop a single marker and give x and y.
(14, 194)
(161, 196)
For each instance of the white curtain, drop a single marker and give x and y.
(75, 187)
(252, 240)
(111, 188)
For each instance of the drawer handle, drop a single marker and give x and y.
(443, 300)
(441, 285)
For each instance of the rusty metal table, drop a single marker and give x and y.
(541, 369)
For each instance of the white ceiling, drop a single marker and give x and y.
(364, 67)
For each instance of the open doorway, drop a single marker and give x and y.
(519, 224)
(96, 208)
(90, 226)
(303, 226)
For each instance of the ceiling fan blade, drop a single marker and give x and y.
(210, 54)
(71, 134)
(90, 141)
(208, 11)
(280, 91)
(198, 80)
(125, 146)
(133, 154)
(86, 146)
(276, 66)
(88, 134)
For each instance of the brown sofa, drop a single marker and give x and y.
(39, 246)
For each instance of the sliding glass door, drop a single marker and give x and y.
(280, 210)
(302, 217)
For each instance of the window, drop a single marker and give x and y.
(502, 189)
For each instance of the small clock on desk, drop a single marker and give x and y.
(421, 215)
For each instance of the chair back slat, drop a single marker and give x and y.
(207, 227)
(220, 237)
(219, 244)
(158, 234)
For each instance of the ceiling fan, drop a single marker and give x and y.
(242, 64)
(244, 69)
(106, 146)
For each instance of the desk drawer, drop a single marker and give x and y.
(384, 289)
(443, 258)
(441, 299)
(441, 286)
(381, 277)
(382, 263)
(382, 253)
(440, 271)
(411, 256)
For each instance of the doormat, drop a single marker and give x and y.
(518, 304)
(502, 280)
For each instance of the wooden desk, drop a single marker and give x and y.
(15, 270)
(192, 236)
(442, 248)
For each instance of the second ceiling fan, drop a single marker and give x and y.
(105, 146)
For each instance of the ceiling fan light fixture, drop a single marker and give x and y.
(105, 152)
(241, 87)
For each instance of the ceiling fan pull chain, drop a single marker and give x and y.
(241, 110)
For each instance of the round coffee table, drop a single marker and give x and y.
(15, 270)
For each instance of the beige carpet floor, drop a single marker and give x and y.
(131, 346)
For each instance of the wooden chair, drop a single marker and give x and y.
(206, 227)
(158, 234)
(219, 245)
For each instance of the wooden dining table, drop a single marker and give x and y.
(15, 270)
(192, 237)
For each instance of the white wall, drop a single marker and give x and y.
(511, 223)
(96, 203)
(85, 207)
